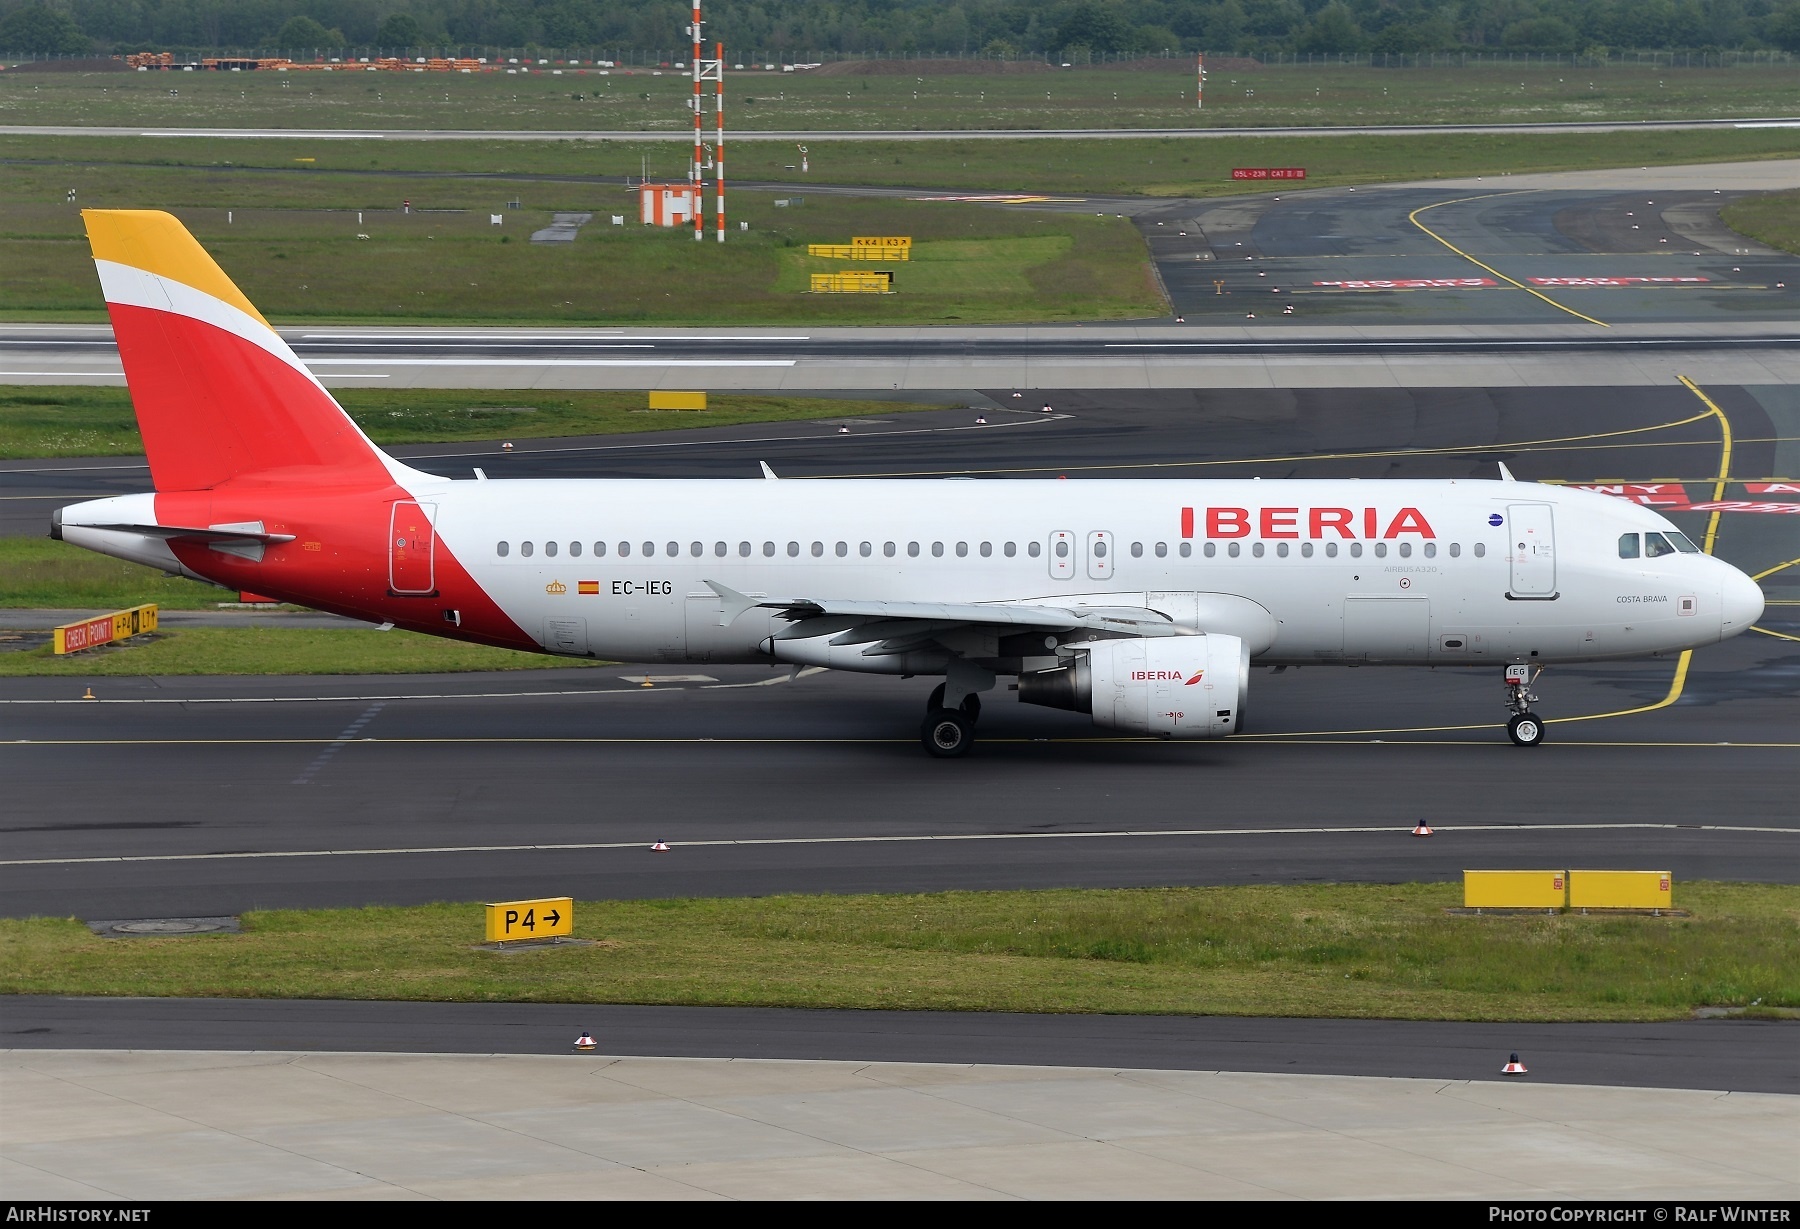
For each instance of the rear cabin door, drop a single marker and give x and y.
(1531, 549)
(412, 547)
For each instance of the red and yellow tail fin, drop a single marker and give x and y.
(218, 393)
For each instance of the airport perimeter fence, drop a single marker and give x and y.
(765, 59)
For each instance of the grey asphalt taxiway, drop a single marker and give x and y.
(247, 793)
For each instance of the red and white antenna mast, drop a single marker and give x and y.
(697, 173)
(719, 153)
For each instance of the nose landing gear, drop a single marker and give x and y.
(1524, 727)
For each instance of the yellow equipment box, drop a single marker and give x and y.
(853, 283)
(512, 920)
(849, 251)
(1621, 890)
(677, 401)
(1515, 889)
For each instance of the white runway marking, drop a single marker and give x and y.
(1116, 834)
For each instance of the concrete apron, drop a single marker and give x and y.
(194, 1124)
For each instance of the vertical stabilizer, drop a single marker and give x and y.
(218, 393)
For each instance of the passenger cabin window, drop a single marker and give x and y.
(1481, 550)
(1356, 550)
(1137, 550)
(624, 550)
(842, 549)
(1187, 548)
(1331, 550)
(768, 550)
(937, 550)
(818, 550)
(599, 550)
(719, 549)
(1406, 550)
(1211, 549)
(1162, 550)
(574, 550)
(1306, 550)
(1381, 550)
(962, 550)
(1628, 546)
(1456, 550)
(912, 550)
(1034, 549)
(1281, 549)
(525, 549)
(1656, 546)
(743, 550)
(649, 550)
(550, 550)
(793, 550)
(887, 548)
(1257, 550)
(1232, 550)
(1431, 550)
(987, 550)
(1009, 550)
(696, 549)
(866, 549)
(501, 549)
(674, 550)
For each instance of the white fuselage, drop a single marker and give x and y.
(1404, 572)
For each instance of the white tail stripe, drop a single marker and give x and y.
(133, 287)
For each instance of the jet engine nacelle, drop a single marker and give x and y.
(1173, 687)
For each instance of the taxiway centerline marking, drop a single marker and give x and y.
(1413, 217)
(916, 838)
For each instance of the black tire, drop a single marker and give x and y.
(1525, 729)
(947, 734)
(971, 703)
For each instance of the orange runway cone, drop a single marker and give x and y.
(585, 1042)
(1513, 1067)
(90, 695)
(1421, 829)
(659, 847)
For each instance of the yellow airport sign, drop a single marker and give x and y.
(1515, 889)
(889, 243)
(89, 633)
(670, 400)
(513, 920)
(1621, 889)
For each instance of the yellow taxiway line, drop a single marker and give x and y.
(1413, 217)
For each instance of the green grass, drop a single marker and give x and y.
(275, 650)
(1158, 96)
(306, 261)
(1773, 219)
(39, 574)
(1335, 950)
(83, 421)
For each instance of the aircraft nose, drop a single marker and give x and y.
(1740, 603)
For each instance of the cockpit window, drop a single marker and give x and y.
(1656, 546)
(1628, 546)
(1682, 543)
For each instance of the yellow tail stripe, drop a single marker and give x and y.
(158, 243)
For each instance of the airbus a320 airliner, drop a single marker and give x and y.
(1143, 603)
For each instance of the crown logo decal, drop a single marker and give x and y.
(556, 586)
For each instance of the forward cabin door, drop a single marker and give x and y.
(1531, 549)
(412, 549)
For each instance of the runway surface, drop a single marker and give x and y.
(891, 134)
(1732, 1055)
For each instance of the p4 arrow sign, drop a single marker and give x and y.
(515, 920)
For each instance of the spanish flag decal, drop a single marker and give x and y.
(587, 586)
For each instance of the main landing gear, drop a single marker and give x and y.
(1524, 727)
(948, 733)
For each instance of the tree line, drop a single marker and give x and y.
(988, 28)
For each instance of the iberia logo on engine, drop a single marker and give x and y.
(1170, 676)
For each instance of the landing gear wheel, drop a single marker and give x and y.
(971, 703)
(1525, 729)
(947, 733)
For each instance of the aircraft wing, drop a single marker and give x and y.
(894, 620)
